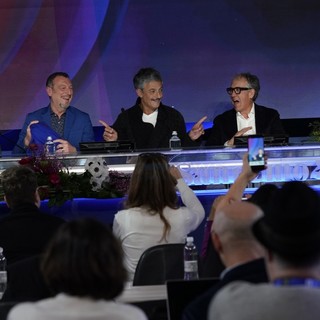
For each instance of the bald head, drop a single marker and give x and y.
(232, 235)
(236, 219)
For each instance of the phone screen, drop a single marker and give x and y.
(256, 152)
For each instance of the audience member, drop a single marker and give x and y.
(25, 281)
(240, 252)
(25, 231)
(149, 123)
(234, 245)
(211, 263)
(246, 117)
(68, 123)
(83, 265)
(152, 215)
(290, 232)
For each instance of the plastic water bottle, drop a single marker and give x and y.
(175, 142)
(3, 273)
(50, 147)
(190, 260)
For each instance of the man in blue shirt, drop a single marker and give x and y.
(69, 125)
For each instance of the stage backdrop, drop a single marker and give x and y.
(198, 45)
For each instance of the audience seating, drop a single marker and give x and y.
(160, 263)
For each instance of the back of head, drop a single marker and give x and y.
(19, 185)
(291, 228)
(145, 75)
(262, 197)
(85, 259)
(152, 184)
(233, 224)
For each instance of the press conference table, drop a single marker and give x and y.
(143, 293)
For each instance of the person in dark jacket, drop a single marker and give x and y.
(246, 117)
(149, 123)
(25, 231)
(238, 249)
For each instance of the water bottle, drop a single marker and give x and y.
(50, 147)
(3, 273)
(190, 260)
(175, 142)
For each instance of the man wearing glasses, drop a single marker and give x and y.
(246, 117)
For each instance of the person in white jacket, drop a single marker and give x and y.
(152, 213)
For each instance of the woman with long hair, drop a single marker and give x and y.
(152, 213)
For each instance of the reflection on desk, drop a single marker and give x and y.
(133, 294)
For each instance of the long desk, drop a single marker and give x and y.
(209, 171)
(213, 168)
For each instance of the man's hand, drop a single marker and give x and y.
(64, 147)
(238, 134)
(28, 137)
(109, 133)
(197, 130)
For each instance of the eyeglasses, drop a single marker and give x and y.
(237, 90)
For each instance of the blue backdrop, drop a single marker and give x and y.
(197, 45)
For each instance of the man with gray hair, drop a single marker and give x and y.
(149, 123)
(238, 249)
(290, 233)
(246, 117)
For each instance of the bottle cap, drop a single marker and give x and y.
(49, 138)
(174, 133)
(189, 239)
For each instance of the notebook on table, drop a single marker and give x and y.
(181, 292)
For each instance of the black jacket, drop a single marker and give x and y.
(25, 232)
(129, 126)
(253, 271)
(225, 125)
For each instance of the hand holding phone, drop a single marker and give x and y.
(256, 155)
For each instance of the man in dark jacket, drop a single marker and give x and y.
(25, 231)
(246, 117)
(238, 249)
(149, 123)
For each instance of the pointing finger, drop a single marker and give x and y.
(104, 124)
(200, 121)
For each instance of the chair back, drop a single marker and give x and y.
(160, 263)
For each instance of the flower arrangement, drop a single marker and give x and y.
(58, 185)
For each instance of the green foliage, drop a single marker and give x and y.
(315, 130)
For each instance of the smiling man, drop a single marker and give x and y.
(71, 125)
(149, 123)
(246, 117)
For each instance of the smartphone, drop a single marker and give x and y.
(256, 152)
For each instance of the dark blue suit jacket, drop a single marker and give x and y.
(253, 271)
(77, 127)
(225, 125)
